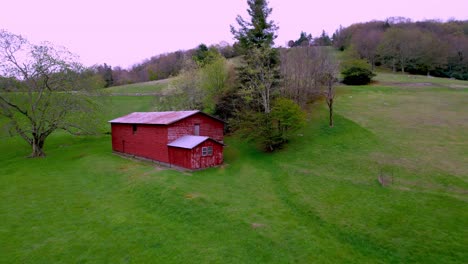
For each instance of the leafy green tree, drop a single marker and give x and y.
(271, 131)
(213, 81)
(204, 55)
(186, 92)
(288, 117)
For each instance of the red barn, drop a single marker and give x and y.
(188, 139)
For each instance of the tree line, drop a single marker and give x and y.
(158, 67)
(425, 47)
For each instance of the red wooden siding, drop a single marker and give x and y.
(193, 159)
(148, 141)
(198, 161)
(180, 157)
(209, 127)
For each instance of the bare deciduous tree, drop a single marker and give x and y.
(366, 43)
(299, 71)
(309, 73)
(48, 92)
(328, 70)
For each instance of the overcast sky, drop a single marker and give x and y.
(126, 32)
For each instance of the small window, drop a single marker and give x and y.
(207, 151)
(196, 130)
(134, 128)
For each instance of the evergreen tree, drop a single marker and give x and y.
(259, 76)
(259, 31)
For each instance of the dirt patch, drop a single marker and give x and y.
(79, 156)
(191, 196)
(422, 85)
(257, 225)
(126, 167)
(294, 169)
(384, 159)
(458, 86)
(427, 186)
(411, 85)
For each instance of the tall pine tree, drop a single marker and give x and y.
(259, 75)
(259, 31)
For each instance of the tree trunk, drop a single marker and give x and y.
(37, 148)
(330, 109)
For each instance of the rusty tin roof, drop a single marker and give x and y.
(154, 118)
(157, 118)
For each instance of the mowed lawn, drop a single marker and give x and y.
(316, 201)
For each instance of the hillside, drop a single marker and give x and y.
(317, 200)
(144, 88)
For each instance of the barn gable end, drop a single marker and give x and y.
(207, 127)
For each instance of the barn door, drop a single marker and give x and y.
(196, 130)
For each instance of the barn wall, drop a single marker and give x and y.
(149, 141)
(180, 157)
(199, 162)
(208, 127)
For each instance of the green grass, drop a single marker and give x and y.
(152, 87)
(418, 80)
(317, 200)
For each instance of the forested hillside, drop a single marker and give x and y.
(425, 47)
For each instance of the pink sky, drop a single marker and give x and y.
(127, 32)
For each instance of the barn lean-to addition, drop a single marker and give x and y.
(186, 139)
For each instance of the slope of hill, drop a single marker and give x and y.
(145, 88)
(317, 200)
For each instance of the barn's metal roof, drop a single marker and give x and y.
(157, 118)
(188, 142)
(154, 118)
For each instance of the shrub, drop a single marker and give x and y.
(357, 75)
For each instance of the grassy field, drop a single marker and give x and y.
(408, 80)
(316, 201)
(146, 88)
